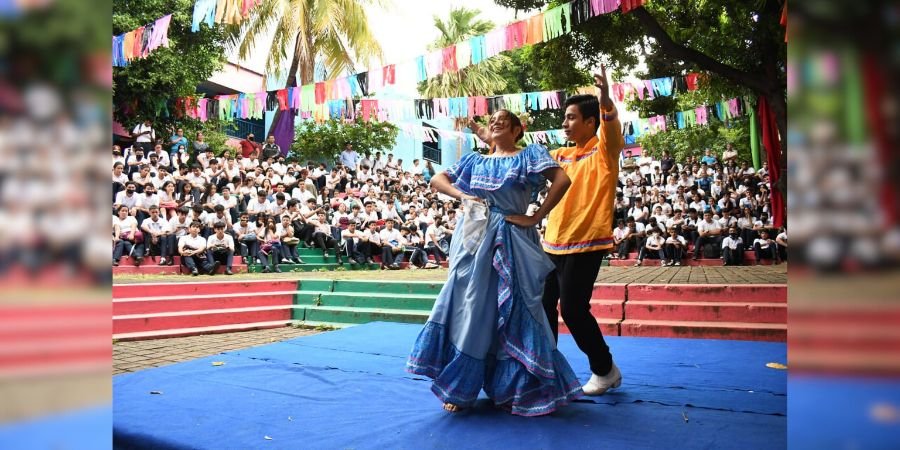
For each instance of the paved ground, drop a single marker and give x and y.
(652, 274)
(132, 356)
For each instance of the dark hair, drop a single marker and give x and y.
(588, 106)
(219, 225)
(219, 208)
(516, 122)
(196, 223)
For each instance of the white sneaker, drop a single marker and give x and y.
(598, 385)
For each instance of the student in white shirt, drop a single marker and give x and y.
(354, 240)
(127, 198)
(323, 238)
(433, 240)
(638, 212)
(124, 239)
(619, 234)
(192, 248)
(392, 244)
(289, 242)
(781, 242)
(159, 236)
(708, 231)
(653, 248)
(247, 237)
(258, 206)
(632, 238)
(371, 242)
(733, 248)
(765, 248)
(675, 248)
(220, 247)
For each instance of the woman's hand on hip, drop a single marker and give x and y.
(523, 220)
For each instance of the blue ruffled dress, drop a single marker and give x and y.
(488, 329)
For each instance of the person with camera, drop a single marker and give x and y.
(220, 248)
(192, 248)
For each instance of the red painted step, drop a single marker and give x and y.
(209, 286)
(765, 293)
(609, 291)
(655, 263)
(707, 311)
(153, 269)
(704, 330)
(609, 327)
(151, 305)
(193, 319)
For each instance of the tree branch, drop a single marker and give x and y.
(688, 54)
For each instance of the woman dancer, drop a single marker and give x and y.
(488, 329)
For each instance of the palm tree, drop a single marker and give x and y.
(479, 79)
(328, 30)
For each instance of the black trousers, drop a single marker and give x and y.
(571, 286)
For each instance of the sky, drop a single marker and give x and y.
(404, 28)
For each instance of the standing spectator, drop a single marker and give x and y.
(177, 140)
(199, 145)
(158, 236)
(127, 237)
(709, 159)
(730, 154)
(349, 158)
(220, 248)
(675, 247)
(667, 163)
(708, 232)
(249, 146)
(270, 149)
(764, 248)
(192, 248)
(733, 248)
(144, 135)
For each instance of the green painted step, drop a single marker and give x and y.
(315, 324)
(256, 268)
(349, 315)
(389, 287)
(416, 302)
(315, 285)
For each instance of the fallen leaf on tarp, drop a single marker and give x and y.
(776, 366)
(267, 438)
(290, 418)
(684, 416)
(218, 363)
(156, 392)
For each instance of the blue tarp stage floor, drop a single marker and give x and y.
(348, 389)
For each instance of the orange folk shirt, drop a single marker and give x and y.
(582, 221)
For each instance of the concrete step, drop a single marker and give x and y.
(609, 291)
(351, 315)
(749, 255)
(189, 288)
(609, 327)
(366, 300)
(707, 311)
(199, 302)
(705, 330)
(687, 262)
(132, 323)
(846, 336)
(764, 293)
(154, 269)
(311, 267)
(843, 362)
(193, 331)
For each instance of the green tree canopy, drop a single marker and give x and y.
(141, 89)
(325, 141)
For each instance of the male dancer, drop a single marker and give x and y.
(579, 230)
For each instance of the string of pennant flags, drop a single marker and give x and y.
(140, 42)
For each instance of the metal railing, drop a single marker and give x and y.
(240, 128)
